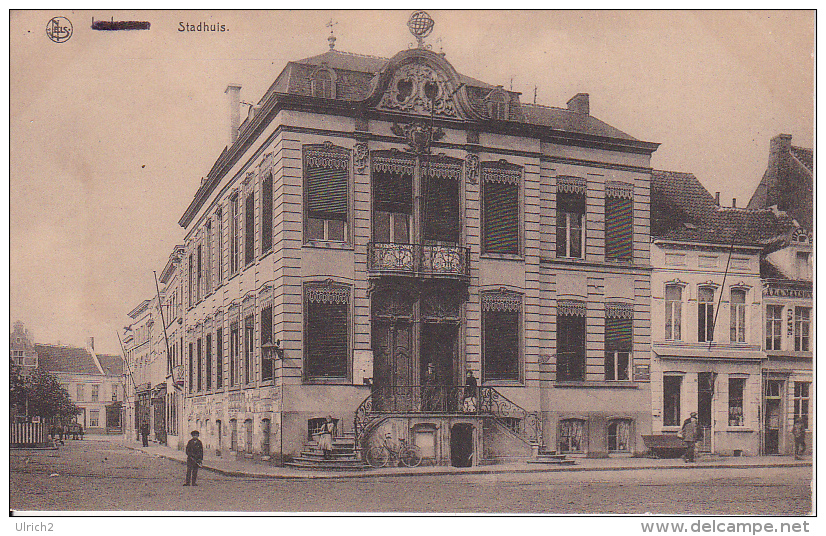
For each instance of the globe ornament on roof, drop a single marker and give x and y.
(420, 25)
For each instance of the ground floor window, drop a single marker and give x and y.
(94, 418)
(619, 435)
(671, 400)
(801, 402)
(571, 435)
(326, 346)
(500, 333)
(736, 388)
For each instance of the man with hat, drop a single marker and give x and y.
(471, 393)
(194, 458)
(689, 436)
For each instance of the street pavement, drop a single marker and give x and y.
(108, 475)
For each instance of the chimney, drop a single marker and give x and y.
(234, 92)
(579, 103)
(717, 198)
(733, 202)
(780, 144)
(90, 344)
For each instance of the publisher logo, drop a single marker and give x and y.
(59, 29)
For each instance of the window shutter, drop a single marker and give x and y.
(618, 334)
(501, 217)
(441, 210)
(327, 347)
(249, 229)
(266, 214)
(327, 192)
(393, 192)
(619, 228)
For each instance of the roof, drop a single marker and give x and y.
(805, 156)
(567, 120)
(682, 209)
(54, 358)
(112, 364)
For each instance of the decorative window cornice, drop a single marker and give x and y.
(571, 185)
(619, 189)
(443, 168)
(327, 293)
(501, 171)
(326, 155)
(502, 301)
(389, 163)
(619, 310)
(570, 308)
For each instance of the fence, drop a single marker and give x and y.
(28, 434)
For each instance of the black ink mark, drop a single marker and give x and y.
(113, 25)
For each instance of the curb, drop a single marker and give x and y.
(475, 471)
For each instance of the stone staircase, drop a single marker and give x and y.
(550, 457)
(343, 456)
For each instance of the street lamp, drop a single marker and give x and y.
(273, 350)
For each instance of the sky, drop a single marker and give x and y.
(111, 132)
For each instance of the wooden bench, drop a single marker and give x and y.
(664, 445)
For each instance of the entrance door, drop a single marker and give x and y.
(773, 420)
(705, 397)
(439, 347)
(393, 368)
(461, 445)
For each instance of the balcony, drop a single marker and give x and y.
(418, 260)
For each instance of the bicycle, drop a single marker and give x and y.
(408, 455)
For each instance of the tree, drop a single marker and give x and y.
(17, 389)
(47, 398)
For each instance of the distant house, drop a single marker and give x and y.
(94, 382)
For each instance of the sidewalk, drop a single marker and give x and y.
(251, 469)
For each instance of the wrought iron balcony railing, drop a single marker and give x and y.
(423, 260)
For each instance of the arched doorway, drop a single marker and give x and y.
(461, 445)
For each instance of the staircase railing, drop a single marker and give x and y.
(446, 399)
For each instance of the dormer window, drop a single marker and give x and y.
(323, 84)
(497, 104)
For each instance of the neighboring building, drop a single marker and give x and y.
(147, 371)
(173, 315)
(371, 216)
(94, 382)
(21, 349)
(788, 391)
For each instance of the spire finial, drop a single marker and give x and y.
(332, 38)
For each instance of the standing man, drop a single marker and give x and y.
(429, 399)
(471, 393)
(145, 433)
(194, 458)
(689, 436)
(799, 433)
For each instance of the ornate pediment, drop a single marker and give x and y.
(419, 88)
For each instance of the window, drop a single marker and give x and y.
(671, 400)
(500, 210)
(571, 436)
(191, 368)
(500, 324)
(219, 264)
(570, 341)
(219, 358)
(321, 84)
(234, 233)
(801, 329)
(619, 435)
(497, 105)
(570, 225)
(673, 312)
(266, 214)
(705, 314)
(392, 199)
(191, 282)
(326, 179)
(441, 178)
(619, 221)
(208, 261)
(249, 347)
(114, 392)
(249, 229)
(801, 402)
(79, 392)
(266, 337)
(774, 327)
(736, 387)
(94, 418)
(618, 342)
(234, 347)
(738, 315)
(326, 331)
(209, 361)
(200, 364)
(199, 270)
(95, 393)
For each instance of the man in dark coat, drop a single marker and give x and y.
(689, 433)
(194, 458)
(471, 393)
(145, 433)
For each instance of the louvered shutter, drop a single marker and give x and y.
(441, 210)
(619, 225)
(393, 192)
(326, 192)
(326, 340)
(501, 345)
(618, 333)
(501, 217)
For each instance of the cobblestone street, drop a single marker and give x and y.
(93, 475)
